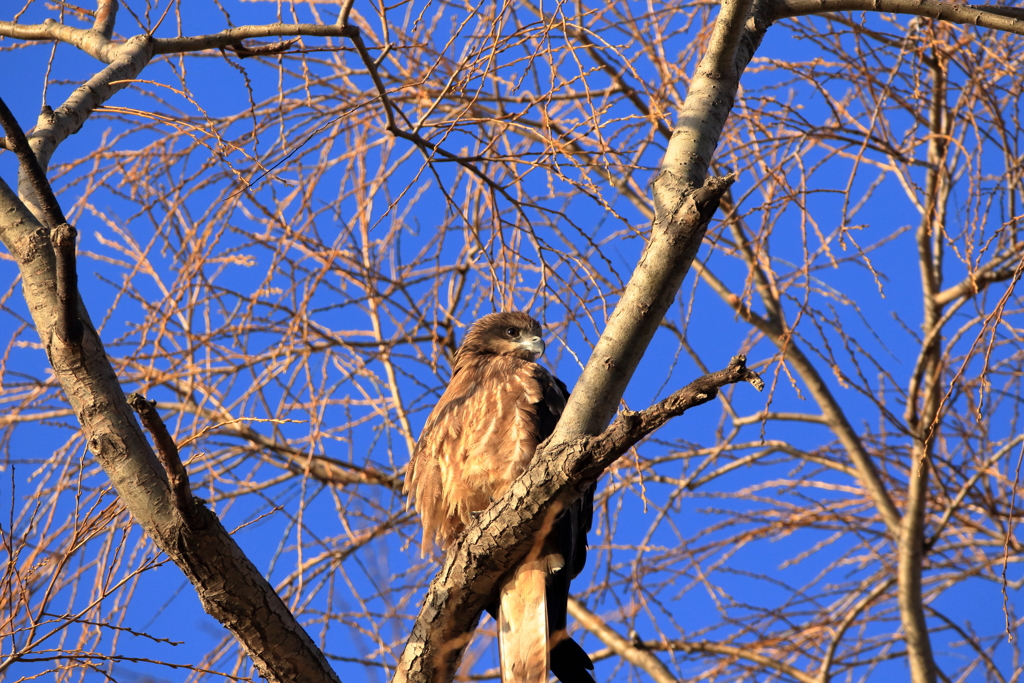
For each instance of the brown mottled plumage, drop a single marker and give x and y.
(498, 407)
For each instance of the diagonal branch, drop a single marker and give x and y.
(505, 531)
(640, 657)
(167, 452)
(685, 200)
(230, 587)
(18, 143)
(93, 42)
(832, 412)
(106, 14)
(62, 236)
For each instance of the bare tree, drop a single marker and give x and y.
(285, 214)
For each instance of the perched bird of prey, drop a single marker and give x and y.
(482, 434)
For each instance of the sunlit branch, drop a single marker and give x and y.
(90, 41)
(234, 36)
(1000, 269)
(936, 9)
(299, 460)
(924, 395)
(685, 200)
(958, 500)
(639, 657)
(641, 653)
(825, 670)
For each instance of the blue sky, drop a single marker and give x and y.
(261, 265)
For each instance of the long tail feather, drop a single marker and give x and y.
(570, 663)
(523, 624)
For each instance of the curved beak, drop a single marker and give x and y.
(535, 345)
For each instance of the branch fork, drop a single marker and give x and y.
(62, 236)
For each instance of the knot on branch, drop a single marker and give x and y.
(683, 208)
(738, 365)
(275, 48)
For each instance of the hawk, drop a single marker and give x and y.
(498, 407)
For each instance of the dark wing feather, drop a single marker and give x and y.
(569, 662)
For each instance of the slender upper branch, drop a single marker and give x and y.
(231, 36)
(936, 9)
(774, 327)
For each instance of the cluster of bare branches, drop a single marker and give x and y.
(288, 212)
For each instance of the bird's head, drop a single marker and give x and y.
(509, 333)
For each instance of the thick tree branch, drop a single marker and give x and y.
(54, 127)
(234, 36)
(924, 395)
(504, 532)
(62, 235)
(96, 41)
(91, 41)
(231, 589)
(106, 14)
(30, 168)
(275, 48)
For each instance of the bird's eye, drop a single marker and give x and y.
(511, 331)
